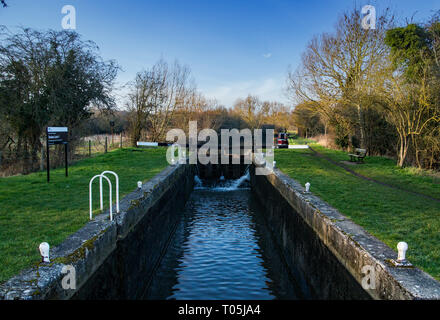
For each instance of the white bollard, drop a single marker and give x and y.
(44, 251)
(402, 247)
(307, 186)
(274, 164)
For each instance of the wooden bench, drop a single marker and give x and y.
(358, 155)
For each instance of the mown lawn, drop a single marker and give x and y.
(33, 211)
(385, 170)
(390, 215)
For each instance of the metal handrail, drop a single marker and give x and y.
(117, 188)
(110, 194)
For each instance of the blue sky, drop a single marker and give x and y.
(233, 48)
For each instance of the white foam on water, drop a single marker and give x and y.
(224, 185)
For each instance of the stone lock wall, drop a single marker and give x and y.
(112, 259)
(329, 251)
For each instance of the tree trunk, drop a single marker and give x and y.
(18, 151)
(361, 126)
(416, 151)
(35, 148)
(135, 134)
(403, 150)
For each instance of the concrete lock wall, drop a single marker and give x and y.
(329, 251)
(112, 259)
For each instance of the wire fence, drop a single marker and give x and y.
(101, 143)
(90, 146)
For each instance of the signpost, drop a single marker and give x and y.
(56, 135)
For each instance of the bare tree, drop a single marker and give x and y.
(139, 104)
(411, 106)
(196, 107)
(278, 114)
(155, 96)
(341, 68)
(251, 110)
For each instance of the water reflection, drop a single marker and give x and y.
(222, 250)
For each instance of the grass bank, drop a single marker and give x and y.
(33, 211)
(389, 214)
(385, 170)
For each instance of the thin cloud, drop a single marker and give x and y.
(267, 55)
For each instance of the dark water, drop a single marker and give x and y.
(222, 249)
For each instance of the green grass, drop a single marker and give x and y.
(33, 211)
(300, 141)
(386, 170)
(390, 215)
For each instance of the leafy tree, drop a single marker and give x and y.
(412, 90)
(408, 46)
(49, 78)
